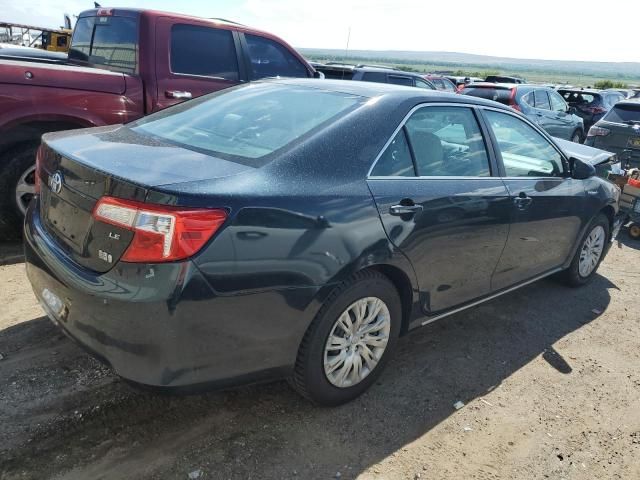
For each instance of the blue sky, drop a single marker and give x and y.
(547, 29)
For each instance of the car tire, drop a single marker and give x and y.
(634, 231)
(576, 137)
(595, 238)
(312, 377)
(16, 167)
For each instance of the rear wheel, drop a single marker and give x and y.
(634, 231)
(17, 187)
(589, 254)
(349, 341)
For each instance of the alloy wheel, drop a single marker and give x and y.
(591, 252)
(26, 189)
(357, 341)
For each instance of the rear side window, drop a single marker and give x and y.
(557, 103)
(525, 153)
(250, 122)
(106, 42)
(271, 59)
(624, 114)
(502, 95)
(422, 84)
(379, 77)
(396, 160)
(203, 51)
(446, 141)
(542, 99)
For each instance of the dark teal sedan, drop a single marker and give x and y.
(296, 228)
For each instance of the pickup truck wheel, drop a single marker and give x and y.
(17, 188)
(351, 339)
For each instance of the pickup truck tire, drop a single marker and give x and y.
(17, 186)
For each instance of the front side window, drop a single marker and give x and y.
(379, 77)
(446, 141)
(423, 84)
(396, 159)
(203, 51)
(542, 100)
(271, 59)
(248, 123)
(525, 152)
(398, 80)
(106, 42)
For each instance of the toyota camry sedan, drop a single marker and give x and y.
(296, 228)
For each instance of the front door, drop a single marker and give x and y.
(440, 204)
(546, 204)
(192, 60)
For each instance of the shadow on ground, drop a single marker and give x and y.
(67, 414)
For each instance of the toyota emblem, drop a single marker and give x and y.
(55, 182)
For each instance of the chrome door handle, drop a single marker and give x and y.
(404, 209)
(178, 94)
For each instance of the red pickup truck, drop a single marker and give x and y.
(122, 64)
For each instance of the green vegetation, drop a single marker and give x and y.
(619, 75)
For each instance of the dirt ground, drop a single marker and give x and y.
(549, 377)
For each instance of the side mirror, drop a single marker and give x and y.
(317, 74)
(581, 170)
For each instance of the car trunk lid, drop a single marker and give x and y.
(77, 168)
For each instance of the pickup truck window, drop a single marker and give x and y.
(203, 51)
(106, 42)
(270, 59)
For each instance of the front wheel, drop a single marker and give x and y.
(589, 254)
(350, 340)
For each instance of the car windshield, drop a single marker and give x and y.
(106, 42)
(249, 122)
(624, 114)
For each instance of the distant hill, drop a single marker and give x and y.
(615, 70)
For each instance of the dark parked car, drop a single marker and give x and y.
(442, 83)
(591, 105)
(619, 132)
(504, 79)
(297, 228)
(375, 73)
(542, 105)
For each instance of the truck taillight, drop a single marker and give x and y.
(104, 12)
(38, 169)
(598, 132)
(162, 233)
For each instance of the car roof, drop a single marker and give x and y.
(388, 90)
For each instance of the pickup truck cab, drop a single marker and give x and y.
(122, 64)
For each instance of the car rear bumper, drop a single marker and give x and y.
(162, 324)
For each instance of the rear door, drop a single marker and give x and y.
(542, 111)
(547, 206)
(192, 60)
(440, 204)
(563, 124)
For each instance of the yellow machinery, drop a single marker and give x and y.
(50, 39)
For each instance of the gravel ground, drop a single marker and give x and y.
(549, 377)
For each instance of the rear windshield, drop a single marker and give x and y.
(579, 98)
(106, 42)
(624, 114)
(249, 122)
(502, 95)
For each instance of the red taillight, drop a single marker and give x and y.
(161, 233)
(104, 12)
(38, 169)
(512, 101)
(596, 110)
(598, 132)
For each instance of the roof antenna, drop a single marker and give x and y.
(346, 50)
(96, 5)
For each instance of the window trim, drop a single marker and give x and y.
(234, 39)
(498, 154)
(484, 131)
